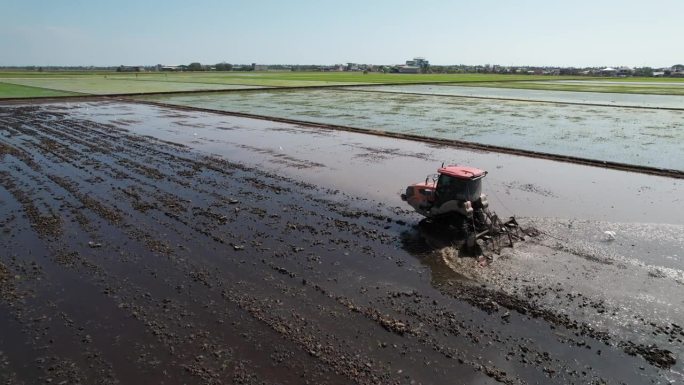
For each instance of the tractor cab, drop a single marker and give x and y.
(454, 189)
(459, 183)
(453, 200)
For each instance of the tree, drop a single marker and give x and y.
(195, 67)
(224, 67)
(569, 71)
(643, 71)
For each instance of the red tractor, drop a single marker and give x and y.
(453, 197)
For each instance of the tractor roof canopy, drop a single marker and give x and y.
(462, 172)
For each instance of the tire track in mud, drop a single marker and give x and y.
(89, 205)
(182, 242)
(94, 207)
(37, 314)
(69, 259)
(251, 181)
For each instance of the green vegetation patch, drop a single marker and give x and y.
(277, 79)
(19, 91)
(101, 85)
(303, 79)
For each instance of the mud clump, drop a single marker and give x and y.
(8, 292)
(661, 358)
(4, 275)
(45, 223)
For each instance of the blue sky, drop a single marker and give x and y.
(521, 32)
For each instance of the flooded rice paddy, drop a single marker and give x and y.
(646, 137)
(601, 98)
(153, 245)
(334, 158)
(625, 82)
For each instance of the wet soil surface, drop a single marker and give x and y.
(131, 259)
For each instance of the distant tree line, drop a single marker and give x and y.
(223, 66)
(676, 70)
(58, 68)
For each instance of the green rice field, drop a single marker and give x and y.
(42, 84)
(334, 78)
(8, 90)
(109, 85)
(152, 82)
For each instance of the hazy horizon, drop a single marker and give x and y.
(527, 33)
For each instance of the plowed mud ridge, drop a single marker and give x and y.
(130, 260)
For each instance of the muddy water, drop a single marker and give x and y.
(380, 168)
(636, 136)
(296, 264)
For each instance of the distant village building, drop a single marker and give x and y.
(259, 67)
(353, 67)
(415, 66)
(408, 69)
(130, 69)
(625, 71)
(620, 71)
(419, 62)
(608, 71)
(677, 71)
